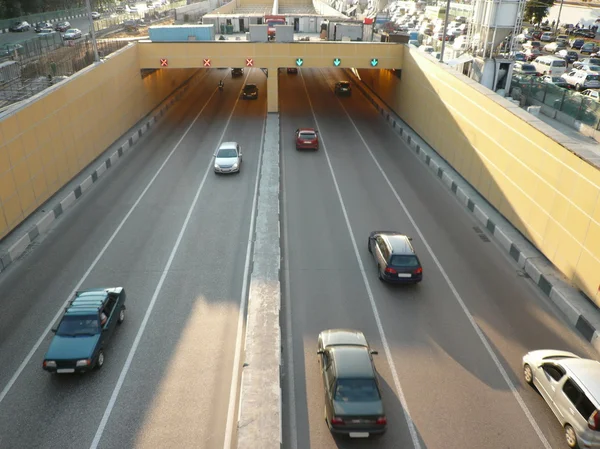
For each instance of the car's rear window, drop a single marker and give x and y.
(404, 261)
(356, 390)
(593, 78)
(528, 68)
(559, 63)
(307, 135)
(344, 84)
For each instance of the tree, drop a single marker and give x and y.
(537, 10)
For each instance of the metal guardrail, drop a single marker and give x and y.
(44, 16)
(573, 104)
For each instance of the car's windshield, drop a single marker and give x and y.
(249, 87)
(71, 31)
(227, 152)
(307, 135)
(71, 326)
(593, 77)
(344, 84)
(557, 79)
(594, 68)
(404, 261)
(527, 68)
(356, 390)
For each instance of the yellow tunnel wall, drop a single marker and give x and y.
(44, 144)
(548, 193)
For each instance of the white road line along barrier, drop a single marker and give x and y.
(259, 424)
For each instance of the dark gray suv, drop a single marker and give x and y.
(395, 257)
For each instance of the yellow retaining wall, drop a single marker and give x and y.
(547, 192)
(44, 144)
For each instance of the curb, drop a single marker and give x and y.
(581, 313)
(18, 248)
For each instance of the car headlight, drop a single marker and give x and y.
(49, 364)
(236, 165)
(86, 362)
(217, 166)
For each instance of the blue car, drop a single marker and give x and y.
(84, 330)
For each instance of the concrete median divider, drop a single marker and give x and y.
(21, 238)
(259, 418)
(578, 311)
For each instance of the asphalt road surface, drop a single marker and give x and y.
(453, 344)
(184, 287)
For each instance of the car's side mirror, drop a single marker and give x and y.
(374, 353)
(410, 238)
(320, 352)
(240, 154)
(54, 329)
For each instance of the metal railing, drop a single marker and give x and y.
(535, 92)
(32, 48)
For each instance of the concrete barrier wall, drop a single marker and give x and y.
(548, 193)
(45, 142)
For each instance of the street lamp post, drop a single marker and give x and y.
(92, 31)
(445, 31)
(558, 18)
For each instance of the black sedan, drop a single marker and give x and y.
(250, 92)
(62, 26)
(353, 404)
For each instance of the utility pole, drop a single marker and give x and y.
(92, 31)
(558, 18)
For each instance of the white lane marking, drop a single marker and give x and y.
(157, 290)
(243, 300)
(38, 343)
(388, 354)
(457, 296)
(288, 316)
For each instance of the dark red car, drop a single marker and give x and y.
(307, 139)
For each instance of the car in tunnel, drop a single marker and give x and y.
(84, 330)
(570, 386)
(353, 402)
(237, 72)
(307, 139)
(343, 88)
(396, 259)
(250, 92)
(228, 158)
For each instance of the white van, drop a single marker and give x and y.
(550, 65)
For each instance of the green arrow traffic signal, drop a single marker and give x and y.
(337, 62)
(299, 62)
(374, 62)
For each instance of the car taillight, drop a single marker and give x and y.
(337, 421)
(381, 421)
(418, 271)
(390, 270)
(594, 421)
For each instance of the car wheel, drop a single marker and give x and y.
(570, 436)
(528, 374)
(100, 361)
(121, 315)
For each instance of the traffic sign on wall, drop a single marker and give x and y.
(374, 62)
(163, 62)
(299, 62)
(337, 62)
(207, 63)
(249, 62)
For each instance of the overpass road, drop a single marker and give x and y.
(185, 288)
(460, 392)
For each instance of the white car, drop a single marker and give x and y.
(228, 158)
(96, 15)
(547, 37)
(72, 34)
(571, 387)
(580, 79)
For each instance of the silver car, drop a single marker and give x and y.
(228, 158)
(571, 387)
